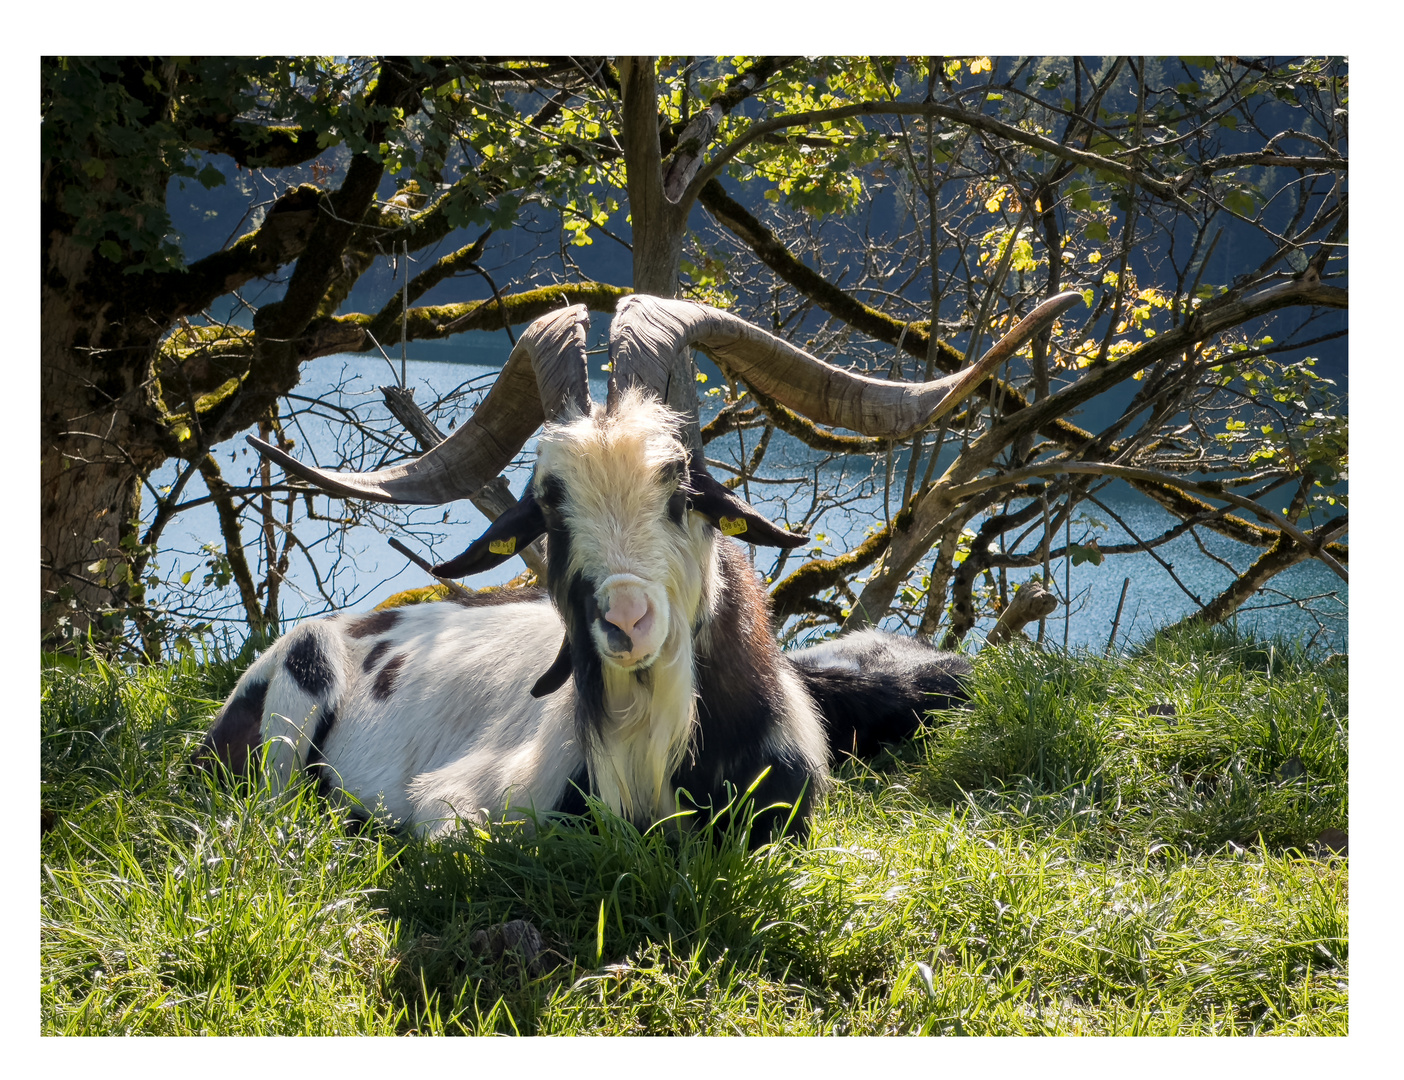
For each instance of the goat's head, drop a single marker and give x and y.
(629, 563)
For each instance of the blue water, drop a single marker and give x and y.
(370, 570)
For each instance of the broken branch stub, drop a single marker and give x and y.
(1033, 600)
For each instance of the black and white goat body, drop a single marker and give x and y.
(667, 690)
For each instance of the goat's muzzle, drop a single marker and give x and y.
(628, 619)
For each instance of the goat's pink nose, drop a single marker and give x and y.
(630, 612)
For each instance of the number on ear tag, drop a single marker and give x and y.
(503, 547)
(732, 526)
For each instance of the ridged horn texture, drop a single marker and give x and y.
(650, 338)
(650, 346)
(545, 374)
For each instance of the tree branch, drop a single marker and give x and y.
(979, 121)
(1206, 489)
(697, 135)
(1287, 552)
(222, 495)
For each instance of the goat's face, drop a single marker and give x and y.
(629, 564)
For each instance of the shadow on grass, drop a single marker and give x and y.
(601, 893)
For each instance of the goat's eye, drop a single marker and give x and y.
(550, 495)
(677, 506)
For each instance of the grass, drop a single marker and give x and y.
(1099, 845)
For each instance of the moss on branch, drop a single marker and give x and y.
(791, 596)
(437, 321)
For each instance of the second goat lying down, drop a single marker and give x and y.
(667, 689)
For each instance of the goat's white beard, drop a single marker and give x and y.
(647, 730)
(649, 725)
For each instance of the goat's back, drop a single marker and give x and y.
(873, 687)
(422, 712)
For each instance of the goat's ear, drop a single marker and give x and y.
(557, 675)
(735, 517)
(506, 536)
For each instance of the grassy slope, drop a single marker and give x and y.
(1065, 857)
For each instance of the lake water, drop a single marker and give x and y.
(371, 570)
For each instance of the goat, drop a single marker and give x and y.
(678, 694)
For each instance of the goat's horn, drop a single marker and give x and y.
(545, 373)
(652, 332)
(649, 347)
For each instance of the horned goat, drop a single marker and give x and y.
(667, 689)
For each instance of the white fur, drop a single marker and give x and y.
(459, 736)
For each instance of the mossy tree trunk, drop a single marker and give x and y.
(97, 436)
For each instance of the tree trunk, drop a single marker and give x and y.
(658, 225)
(94, 447)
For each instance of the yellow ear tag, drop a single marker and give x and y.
(732, 526)
(503, 547)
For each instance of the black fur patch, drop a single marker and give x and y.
(557, 675)
(373, 657)
(574, 598)
(377, 622)
(585, 664)
(236, 730)
(307, 664)
(740, 703)
(316, 758)
(881, 693)
(788, 782)
(384, 684)
(677, 508)
(862, 711)
(572, 800)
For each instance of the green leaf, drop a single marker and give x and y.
(1080, 195)
(95, 167)
(1082, 553)
(109, 250)
(1241, 202)
(210, 177)
(1097, 230)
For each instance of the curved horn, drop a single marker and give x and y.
(545, 373)
(649, 346)
(652, 332)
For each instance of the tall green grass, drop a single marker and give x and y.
(1118, 845)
